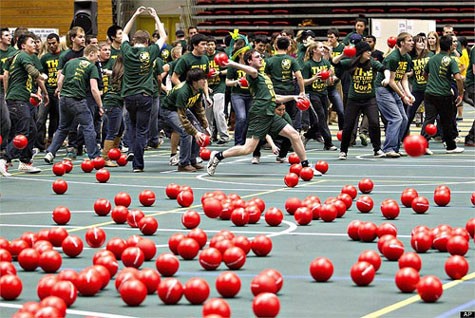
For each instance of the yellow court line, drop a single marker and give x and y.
(180, 209)
(413, 299)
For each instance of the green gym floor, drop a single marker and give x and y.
(27, 202)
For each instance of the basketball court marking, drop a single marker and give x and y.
(75, 312)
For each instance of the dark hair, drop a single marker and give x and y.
(212, 39)
(52, 36)
(260, 38)
(334, 31)
(17, 33)
(227, 40)
(372, 37)
(289, 32)
(248, 55)
(4, 30)
(197, 38)
(142, 37)
(112, 31)
(413, 53)
(117, 73)
(283, 43)
(194, 75)
(24, 37)
(360, 19)
(445, 42)
(89, 37)
(463, 41)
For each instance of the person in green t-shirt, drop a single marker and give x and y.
(50, 61)
(77, 76)
(438, 98)
(282, 68)
(362, 69)
(20, 72)
(262, 117)
(183, 110)
(6, 50)
(420, 55)
(216, 82)
(392, 94)
(314, 65)
(470, 90)
(360, 29)
(138, 85)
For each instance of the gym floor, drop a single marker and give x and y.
(27, 202)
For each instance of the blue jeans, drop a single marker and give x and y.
(73, 110)
(241, 105)
(337, 105)
(392, 109)
(114, 122)
(153, 127)
(22, 122)
(139, 107)
(189, 149)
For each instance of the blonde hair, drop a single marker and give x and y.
(437, 45)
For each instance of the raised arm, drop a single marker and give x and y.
(159, 26)
(131, 22)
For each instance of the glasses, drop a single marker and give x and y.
(454, 41)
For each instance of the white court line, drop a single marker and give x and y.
(75, 312)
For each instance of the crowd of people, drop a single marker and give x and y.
(133, 90)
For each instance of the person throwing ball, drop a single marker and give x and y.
(262, 118)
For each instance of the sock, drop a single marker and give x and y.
(304, 163)
(219, 155)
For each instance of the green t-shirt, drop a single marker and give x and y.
(181, 96)
(114, 53)
(4, 55)
(469, 79)
(217, 83)
(280, 69)
(263, 95)
(440, 69)
(138, 73)
(312, 67)
(335, 52)
(157, 70)
(418, 80)
(165, 55)
(395, 62)
(77, 74)
(362, 82)
(20, 83)
(189, 61)
(234, 74)
(50, 61)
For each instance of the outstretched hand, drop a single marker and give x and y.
(152, 11)
(140, 10)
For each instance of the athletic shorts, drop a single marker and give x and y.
(260, 126)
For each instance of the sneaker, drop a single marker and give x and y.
(198, 166)
(71, 153)
(458, 140)
(212, 163)
(110, 163)
(364, 140)
(281, 159)
(138, 170)
(392, 154)
(429, 152)
(130, 156)
(342, 156)
(174, 160)
(456, 150)
(199, 160)
(330, 148)
(49, 157)
(4, 168)
(316, 173)
(221, 142)
(187, 168)
(320, 139)
(379, 154)
(255, 160)
(28, 168)
(402, 154)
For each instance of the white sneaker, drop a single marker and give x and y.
(28, 168)
(429, 152)
(379, 154)
(392, 154)
(281, 159)
(212, 163)
(4, 168)
(342, 156)
(174, 160)
(330, 148)
(49, 157)
(255, 160)
(199, 160)
(456, 150)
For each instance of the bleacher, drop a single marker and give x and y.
(217, 17)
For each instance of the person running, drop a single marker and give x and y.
(390, 95)
(20, 71)
(438, 98)
(73, 82)
(361, 97)
(262, 117)
(6, 50)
